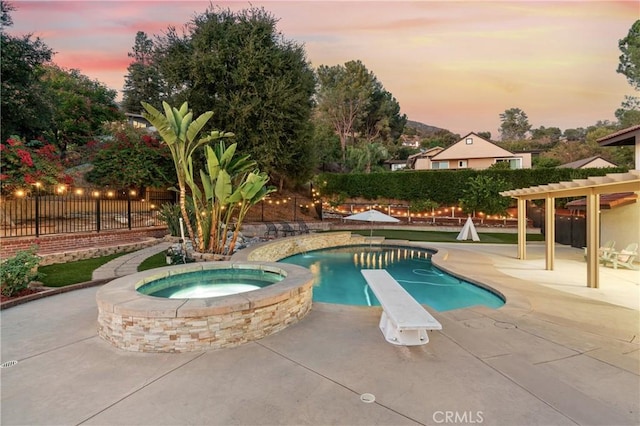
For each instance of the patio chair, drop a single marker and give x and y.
(604, 252)
(624, 258)
(271, 230)
(287, 229)
(302, 227)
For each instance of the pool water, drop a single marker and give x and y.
(338, 279)
(209, 283)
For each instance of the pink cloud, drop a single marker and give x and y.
(89, 62)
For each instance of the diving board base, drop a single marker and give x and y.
(402, 337)
(403, 321)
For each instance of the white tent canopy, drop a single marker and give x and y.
(468, 231)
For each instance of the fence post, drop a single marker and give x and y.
(295, 208)
(37, 211)
(262, 211)
(98, 214)
(129, 209)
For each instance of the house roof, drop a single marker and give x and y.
(607, 201)
(481, 148)
(628, 136)
(428, 153)
(578, 164)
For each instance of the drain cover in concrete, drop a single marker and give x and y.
(505, 325)
(8, 364)
(367, 397)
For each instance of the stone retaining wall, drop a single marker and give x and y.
(136, 322)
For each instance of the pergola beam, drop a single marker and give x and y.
(591, 188)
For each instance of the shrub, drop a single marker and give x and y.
(170, 214)
(17, 272)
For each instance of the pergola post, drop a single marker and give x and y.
(550, 231)
(593, 239)
(522, 228)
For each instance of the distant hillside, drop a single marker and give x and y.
(421, 128)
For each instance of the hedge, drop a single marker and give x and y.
(441, 186)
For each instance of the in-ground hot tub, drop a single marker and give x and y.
(134, 321)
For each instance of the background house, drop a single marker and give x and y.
(589, 163)
(422, 160)
(474, 152)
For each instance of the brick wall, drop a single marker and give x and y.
(62, 243)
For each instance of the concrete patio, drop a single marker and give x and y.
(557, 353)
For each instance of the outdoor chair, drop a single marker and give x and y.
(624, 258)
(271, 230)
(287, 229)
(302, 227)
(604, 252)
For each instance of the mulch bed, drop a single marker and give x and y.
(23, 293)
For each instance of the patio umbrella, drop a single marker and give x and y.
(372, 216)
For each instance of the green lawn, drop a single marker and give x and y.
(155, 261)
(445, 237)
(62, 274)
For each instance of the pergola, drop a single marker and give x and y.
(591, 188)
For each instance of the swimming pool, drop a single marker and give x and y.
(338, 279)
(210, 283)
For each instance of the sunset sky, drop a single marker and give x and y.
(451, 64)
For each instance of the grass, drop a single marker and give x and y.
(63, 274)
(445, 237)
(155, 261)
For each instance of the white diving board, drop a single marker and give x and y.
(404, 321)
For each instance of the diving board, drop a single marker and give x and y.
(404, 321)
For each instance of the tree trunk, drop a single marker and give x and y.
(185, 215)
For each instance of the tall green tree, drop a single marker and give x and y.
(629, 65)
(23, 107)
(79, 107)
(629, 112)
(515, 124)
(547, 134)
(344, 95)
(482, 194)
(143, 82)
(382, 121)
(257, 83)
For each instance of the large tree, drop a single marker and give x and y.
(258, 84)
(344, 95)
(143, 82)
(382, 121)
(515, 124)
(79, 107)
(22, 104)
(629, 64)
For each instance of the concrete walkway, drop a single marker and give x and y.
(128, 263)
(548, 357)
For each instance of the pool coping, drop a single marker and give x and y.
(134, 321)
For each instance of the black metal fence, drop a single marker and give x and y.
(79, 210)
